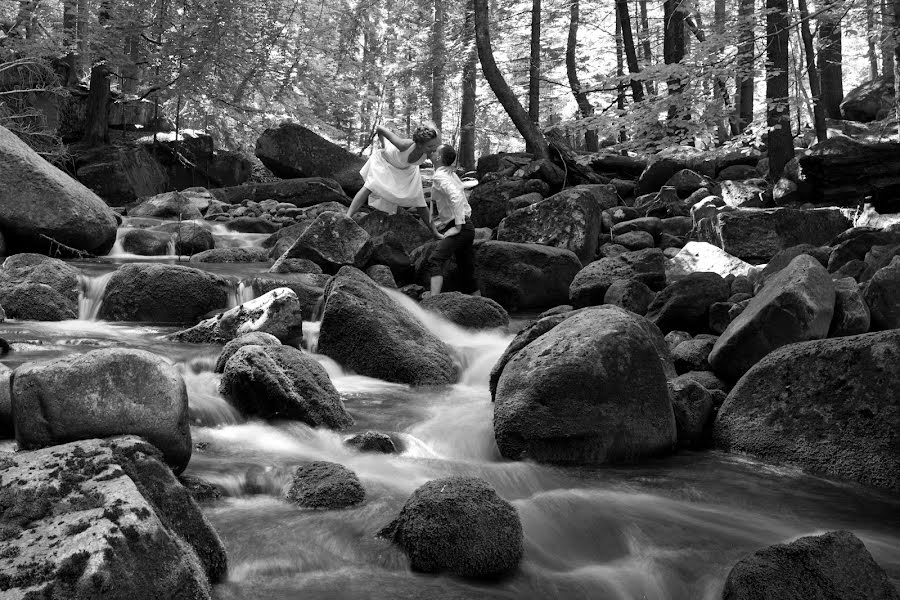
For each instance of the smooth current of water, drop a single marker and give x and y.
(666, 529)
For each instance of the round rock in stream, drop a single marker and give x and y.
(327, 485)
(461, 526)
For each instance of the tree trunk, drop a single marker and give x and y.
(895, 27)
(830, 58)
(745, 78)
(534, 69)
(887, 38)
(96, 127)
(438, 60)
(871, 54)
(620, 72)
(778, 114)
(501, 89)
(624, 21)
(673, 53)
(647, 51)
(815, 86)
(585, 108)
(70, 41)
(469, 79)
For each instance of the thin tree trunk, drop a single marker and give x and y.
(815, 87)
(70, 40)
(647, 50)
(534, 68)
(620, 70)
(501, 89)
(746, 76)
(96, 131)
(895, 27)
(591, 141)
(778, 114)
(871, 54)
(469, 79)
(673, 52)
(438, 60)
(887, 38)
(624, 22)
(829, 62)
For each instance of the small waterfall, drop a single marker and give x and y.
(90, 296)
(170, 247)
(241, 293)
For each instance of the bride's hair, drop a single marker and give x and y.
(424, 134)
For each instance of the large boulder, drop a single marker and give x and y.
(103, 518)
(103, 393)
(828, 406)
(291, 150)
(309, 288)
(851, 313)
(243, 254)
(832, 565)
(145, 242)
(121, 174)
(301, 192)
(856, 243)
(169, 205)
(756, 235)
(257, 338)
(332, 241)
(522, 276)
(882, 295)
(490, 200)
(282, 382)
(366, 331)
(795, 305)
(325, 485)
(467, 311)
(458, 525)
(872, 100)
(684, 305)
(699, 257)
(278, 313)
(590, 285)
(162, 293)
(35, 287)
(402, 226)
(40, 205)
(569, 219)
(592, 390)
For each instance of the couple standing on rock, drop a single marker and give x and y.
(392, 179)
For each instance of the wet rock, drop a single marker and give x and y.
(162, 293)
(372, 441)
(827, 406)
(382, 275)
(881, 295)
(190, 238)
(700, 257)
(295, 265)
(37, 199)
(168, 205)
(252, 225)
(569, 220)
(630, 294)
(833, 565)
(473, 312)
(590, 285)
(363, 329)
(404, 227)
(693, 355)
(388, 250)
(684, 305)
(34, 287)
(332, 241)
(325, 485)
(694, 411)
(309, 288)
(146, 242)
(458, 525)
(282, 382)
(795, 305)
(202, 491)
(562, 398)
(851, 313)
(278, 312)
(301, 192)
(103, 393)
(256, 338)
(104, 515)
(246, 254)
(489, 200)
(523, 276)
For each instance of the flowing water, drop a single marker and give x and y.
(663, 530)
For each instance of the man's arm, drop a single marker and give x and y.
(400, 143)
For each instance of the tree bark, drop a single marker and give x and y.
(830, 58)
(534, 69)
(96, 128)
(647, 51)
(673, 52)
(620, 72)
(745, 78)
(70, 40)
(501, 89)
(624, 20)
(871, 54)
(815, 86)
(438, 60)
(469, 79)
(895, 27)
(887, 38)
(778, 115)
(585, 108)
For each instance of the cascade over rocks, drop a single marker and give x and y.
(326, 485)
(795, 305)
(103, 518)
(592, 390)
(291, 150)
(458, 525)
(569, 219)
(35, 287)
(332, 241)
(309, 288)
(365, 330)
(522, 276)
(103, 393)
(473, 312)
(832, 565)
(37, 199)
(827, 406)
(278, 313)
(282, 382)
(590, 285)
(162, 293)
